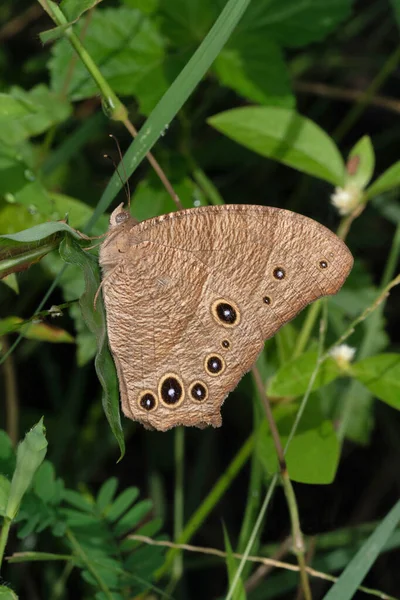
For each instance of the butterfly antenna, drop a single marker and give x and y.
(123, 167)
(125, 184)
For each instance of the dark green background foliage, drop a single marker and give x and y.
(315, 58)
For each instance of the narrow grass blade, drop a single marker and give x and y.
(174, 98)
(347, 584)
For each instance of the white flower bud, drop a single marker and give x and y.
(346, 199)
(343, 355)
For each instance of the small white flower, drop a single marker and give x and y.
(343, 354)
(346, 199)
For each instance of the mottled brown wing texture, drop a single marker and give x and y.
(192, 296)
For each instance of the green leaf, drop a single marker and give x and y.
(296, 23)
(175, 97)
(133, 517)
(7, 593)
(285, 136)
(72, 253)
(20, 250)
(314, 451)
(232, 565)
(38, 109)
(292, 378)
(363, 155)
(387, 181)
(44, 483)
(30, 454)
(35, 331)
(122, 503)
(125, 44)
(78, 500)
(254, 67)
(4, 493)
(346, 586)
(106, 493)
(40, 232)
(11, 281)
(381, 375)
(73, 9)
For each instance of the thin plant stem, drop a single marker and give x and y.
(253, 536)
(262, 560)
(157, 168)
(297, 536)
(5, 530)
(308, 326)
(79, 551)
(11, 395)
(60, 584)
(356, 111)
(370, 334)
(177, 569)
(210, 500)
(114, 107)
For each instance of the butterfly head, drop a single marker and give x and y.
(120, 217)
(116, 242)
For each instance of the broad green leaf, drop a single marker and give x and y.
(296, 23)
(12, 108)
(127, 47)
(387, 181)
(44, 483)
(232, 565)
(7, 593)
(253, 66)
(293, 377)
(73, 9)
(39, 233)
(30, 454)
(145, 6)
(313, 453)
(71, 252)
(35, 331)
(20, 250)
(285, 136)
(175, 97)
(4, 493)
(362, 161)
(346, 586)
(39, 110)
(381, 375)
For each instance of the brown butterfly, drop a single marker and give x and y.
(192, 296)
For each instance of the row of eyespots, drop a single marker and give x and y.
(171, 391)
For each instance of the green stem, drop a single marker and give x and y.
(210, 501)
(179, 498)
(81, 554)
(5, 530)
(355, 112)
(367, 344)
(297, 536)
(114, 107)
(306, 330)
(253, 536)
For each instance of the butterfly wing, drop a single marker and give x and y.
(195, 295)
